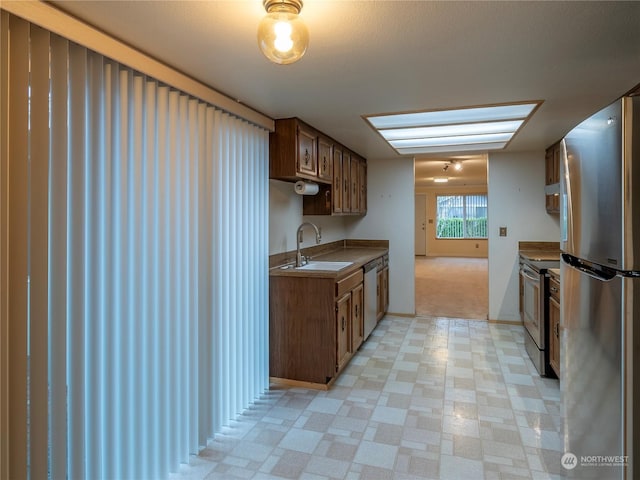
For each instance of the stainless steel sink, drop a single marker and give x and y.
(332, 266)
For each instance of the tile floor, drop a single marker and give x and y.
(431, 398)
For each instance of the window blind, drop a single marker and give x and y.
(137, 264)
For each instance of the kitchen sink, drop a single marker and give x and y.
(333, 266)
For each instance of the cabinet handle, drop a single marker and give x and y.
(553, 289)
(324, 163)
(346, 186)
(306, 156)
(343, 323)
(557, 330)
(356, 311)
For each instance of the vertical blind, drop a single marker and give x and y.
(461, 216)
(137, 264)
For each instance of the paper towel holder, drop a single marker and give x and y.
(303, 187)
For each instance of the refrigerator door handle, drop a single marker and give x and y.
(598, 272)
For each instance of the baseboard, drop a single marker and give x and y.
(406, 315)
(506, 322)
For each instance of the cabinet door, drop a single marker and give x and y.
(346, 181)
(357, 317)
(363, 187)
(343, 329)
(385, 290)
(379, 296)
(554, 334)
(355, 184)
(325, 159)
(337, 180)
(307, 163)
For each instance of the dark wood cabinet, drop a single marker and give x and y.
(314, 325)
(343, 330)
(347, 193)
(363, 187)
(297, 151)
(337, 180)
(325, 159)
(383, 292)
(552, 178)
(357, 317)
(293, 151)
(554, 323)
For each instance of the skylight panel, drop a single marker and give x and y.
(457, 140)
(451, 130)
(482, 128)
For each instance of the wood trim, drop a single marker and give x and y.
(286, 382)
(4, 246)
(506, 322)
(56, 21)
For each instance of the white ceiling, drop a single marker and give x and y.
(368, 57)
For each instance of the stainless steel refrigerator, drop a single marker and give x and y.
(600, 294)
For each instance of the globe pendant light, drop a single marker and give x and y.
(282, 35)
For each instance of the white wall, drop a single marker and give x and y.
(516, 201)
(285, 216)
(390, 216)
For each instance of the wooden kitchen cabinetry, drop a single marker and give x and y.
(552, 178)
(325, 159)
(299, 152)
(293, 152)
(315, 326)
(554, 323)
(383, 288)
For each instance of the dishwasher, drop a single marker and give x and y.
(370, 296)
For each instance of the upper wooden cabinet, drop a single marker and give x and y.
(297, 151)
(293, 152)
(325, 159)
(552, 178)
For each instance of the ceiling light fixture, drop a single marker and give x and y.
(481, 128)
(441, 179)
(282, 35)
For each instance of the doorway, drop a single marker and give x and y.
(420, 224)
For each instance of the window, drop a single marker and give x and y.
(461, 216)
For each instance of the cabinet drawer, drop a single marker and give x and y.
(347, 284)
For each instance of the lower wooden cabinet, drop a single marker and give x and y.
(343, 330)
(357, 317)
(383, 292)
(315, 324)
(554, 324)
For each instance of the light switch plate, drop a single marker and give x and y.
(503, 231)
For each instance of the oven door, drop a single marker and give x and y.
(531, 302)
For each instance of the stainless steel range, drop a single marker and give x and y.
(534, 289)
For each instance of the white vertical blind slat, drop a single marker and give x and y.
(38, 258)
(57, 330)
(76, 262)
(93, 266)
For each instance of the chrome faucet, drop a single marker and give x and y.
(299, 257)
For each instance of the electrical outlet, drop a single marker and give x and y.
(503, 231)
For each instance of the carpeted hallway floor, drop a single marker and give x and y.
(452, 287)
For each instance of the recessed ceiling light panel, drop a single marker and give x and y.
(488, 127)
